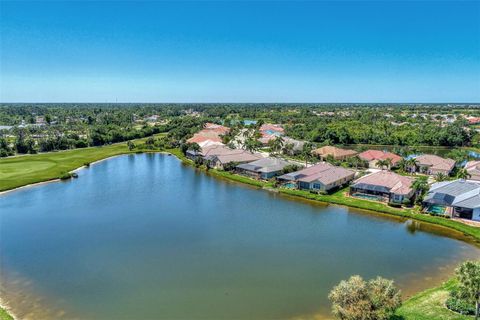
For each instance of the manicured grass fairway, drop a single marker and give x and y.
(22, 170)
(4, 315)
(27, 169)
(429, 305)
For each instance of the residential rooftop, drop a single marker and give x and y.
(385, 181)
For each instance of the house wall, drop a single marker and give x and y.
(436, 171)
(319, 186)
(397, 198)
(269, 175)
(476, 214)
(248, 173)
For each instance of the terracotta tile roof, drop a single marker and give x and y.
(395, 183)
(370, 155)
(226, 155)
(435, 162)
(334, 151)
(329, 176)
(202, 137)
(271, 127)
(473, 168)
(212, 132)
(216, 127)
(323, 172)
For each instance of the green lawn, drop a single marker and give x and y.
(22, 170)
(4, 315)
(429, 305)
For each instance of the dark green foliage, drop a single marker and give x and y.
(65, 176)
(461, 306)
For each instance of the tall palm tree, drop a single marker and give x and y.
(383, 163)
(402, 164)
(420, 187)
(389, 163)
(463, 174)
(439, 177)
(288, 148)
(307, 152)
(252, 144)
(277, 144)
(411, 165)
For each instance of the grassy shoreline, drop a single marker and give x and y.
(4, 315)
(430, 305)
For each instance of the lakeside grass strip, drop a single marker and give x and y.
(429, 305)
(23, 170)
(4, 315)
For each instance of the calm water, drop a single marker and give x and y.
(142, 237)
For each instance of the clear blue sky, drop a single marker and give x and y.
(240, 51)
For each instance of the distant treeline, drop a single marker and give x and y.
(49, 127)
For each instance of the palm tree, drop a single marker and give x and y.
(411, 165)
(463, 174)
(288, 148)
(307, 152)
(389, 163)
(420, 187)
(382, 163)
(195, 147)
(251, 144)
(439, 177)
(277, 144)
(402, 164)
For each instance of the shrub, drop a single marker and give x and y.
(65, 176)
(461, 306)
(358, 299)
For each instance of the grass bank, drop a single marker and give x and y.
(4, 315)
(429, 305)
(28, 169)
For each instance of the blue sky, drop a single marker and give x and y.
(240, 51)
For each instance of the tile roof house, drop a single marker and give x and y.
(320, 177)
(211, 133)
(432, 164)
(271, 129)
(473, 169)
(460, 198)
(385, 186)
(297, 144)
(218, 156)
(270, 132)
(265, 168)
(336, 153)
(372, 156)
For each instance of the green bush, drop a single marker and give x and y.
(65, 176)
(460, 306)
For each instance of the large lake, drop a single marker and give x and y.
(144, 237)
